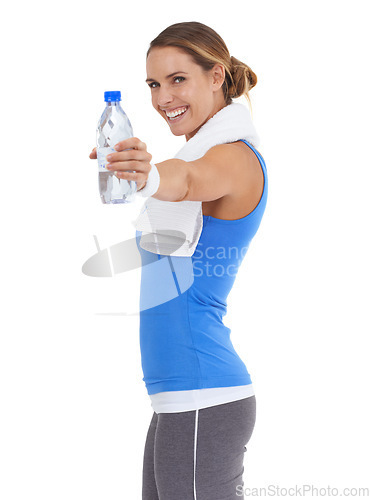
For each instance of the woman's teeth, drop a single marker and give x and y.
(176, 112)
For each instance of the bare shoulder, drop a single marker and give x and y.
(248, 181)
(242, 160)
(237, 151)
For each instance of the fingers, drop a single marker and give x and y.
(138, 166)
(132, 154)
(131, 142)
(132, 176)
(135, 158)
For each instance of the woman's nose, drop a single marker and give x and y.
(164, 97)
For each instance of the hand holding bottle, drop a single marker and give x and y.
(137, 159)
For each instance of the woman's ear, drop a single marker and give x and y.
(218, 76)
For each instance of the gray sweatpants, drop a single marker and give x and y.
(198, 454)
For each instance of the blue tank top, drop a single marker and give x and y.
(184, 343)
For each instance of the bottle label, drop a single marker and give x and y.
(101, 154)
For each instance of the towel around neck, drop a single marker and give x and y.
(174, 228)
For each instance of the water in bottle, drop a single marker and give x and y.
(113, 127)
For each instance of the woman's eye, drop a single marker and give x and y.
(178, 79)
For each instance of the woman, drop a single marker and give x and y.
(201, 391)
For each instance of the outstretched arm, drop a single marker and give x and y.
(221, 171)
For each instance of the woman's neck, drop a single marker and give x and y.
(215, 110)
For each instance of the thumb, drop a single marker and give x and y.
(93, 155)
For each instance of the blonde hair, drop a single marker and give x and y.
(207, 48)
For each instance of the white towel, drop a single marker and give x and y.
(174, 228)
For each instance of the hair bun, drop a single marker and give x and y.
(240, 70)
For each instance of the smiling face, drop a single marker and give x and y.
(182, 92)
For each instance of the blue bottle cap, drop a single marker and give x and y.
(113, 95)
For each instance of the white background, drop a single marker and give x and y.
(74, 409)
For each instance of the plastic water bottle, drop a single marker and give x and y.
(113, 127)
